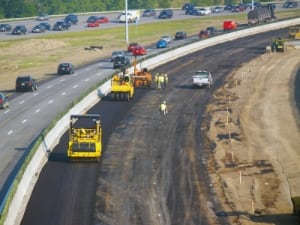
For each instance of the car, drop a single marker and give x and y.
(166, 14)
(161, 43)
(131, 46)
(228, 7)
(149, 12)
(38, 29)
(212, 30)
(103, 19)
(65, 68)
(190, 11)
(218, 9)
(60, 25)
(180, 35)
(5, 27)
(3, 101)
(290, 4)
(187, 6)
(19, 30)
(139, 50)
(26, 83)
(92, 19)
(114, 54)
(71, 19)
(121, 62)
(168, 38)
(203, 34)
(202, 11)
(237, 8)
(42, 17)
(93, 24)
(46, 25)
(202, 78)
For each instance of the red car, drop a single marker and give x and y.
(132, 46)
(93, 24)
(103, 19)
(139, 50)
(203, 34)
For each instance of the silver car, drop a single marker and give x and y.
(114, 54)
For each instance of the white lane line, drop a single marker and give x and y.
(21, 102)
(76, 86)
(10, 132)
(24, 121)
(35, 94)
(37, 111)
(64, 93)
(5, 112)
(50, 102)
(50, 86)
(87, 79)
(61, 80)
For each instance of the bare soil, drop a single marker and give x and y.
(255, 126)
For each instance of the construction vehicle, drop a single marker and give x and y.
(294, 32)
(262, 14)
(122, 87)
(85, 137)
(141, 78)
(277, 45)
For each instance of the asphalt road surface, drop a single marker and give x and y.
(152, 171)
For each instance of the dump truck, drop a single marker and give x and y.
(122, 87)
(85, 137)
(259, 15)
(277, 45)
(142, 77)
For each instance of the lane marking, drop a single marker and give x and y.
(50, 86)
(61, 80)
(35, 94)
(5, 112)
(37, 111)
(76, 86)
(87, 79)
(21, 102)
(24, 121)
(64, 93)
(10, 132)
(50, 102)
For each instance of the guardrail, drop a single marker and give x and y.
(19, 193)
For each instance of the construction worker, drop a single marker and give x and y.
(156, 80)
(161, 79)
(166, 79)
(163, 109)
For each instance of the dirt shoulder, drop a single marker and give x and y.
(255, 125)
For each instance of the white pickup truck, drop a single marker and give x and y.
(133, 16)
(202, 79)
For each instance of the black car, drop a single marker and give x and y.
(166, 14)
(71, 19)
(5, 27)
(60, 25)
(38, 29)
(120, 62)
(25, 83)
(19, 30)
(65, 68)
(290, 4)
(92, 19)
(149, 12)
(180, 35)
(212, 30)
(46, 25)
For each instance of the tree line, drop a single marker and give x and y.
(28, 8)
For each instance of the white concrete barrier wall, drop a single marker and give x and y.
(30, 177)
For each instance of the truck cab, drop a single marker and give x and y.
(229, 25)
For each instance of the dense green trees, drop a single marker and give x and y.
(27, 8)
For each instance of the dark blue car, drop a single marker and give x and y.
(161, 43)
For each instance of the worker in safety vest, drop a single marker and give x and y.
(156, 80)
(161, 79)
(163, 109)
(166, 79)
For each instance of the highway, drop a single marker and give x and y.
(151, 172)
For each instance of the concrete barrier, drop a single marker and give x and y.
(31, 174)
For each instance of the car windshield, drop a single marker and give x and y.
(23, 79)
(201, 74)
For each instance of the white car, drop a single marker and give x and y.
(167, 38)
(218, 9)
(202, 78)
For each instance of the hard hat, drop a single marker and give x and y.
(164, 102)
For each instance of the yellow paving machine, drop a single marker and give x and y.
(142, 77)
(122, 87)
(85, 137)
